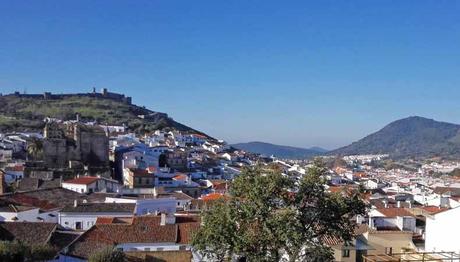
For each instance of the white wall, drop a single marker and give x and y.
(443, 231)
(87, 220)
(29, 216)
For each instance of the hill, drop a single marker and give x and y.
(287, 152)
(26, 112)
(409, 137)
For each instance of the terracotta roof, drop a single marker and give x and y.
(50, 198)
(434, 209)
(181, 177)
(84, 180)
(395, 212)
(213, 196)
(143, 229)
(27, 232)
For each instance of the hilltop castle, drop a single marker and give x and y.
(104, 94)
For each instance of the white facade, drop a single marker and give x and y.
(100, 185)
(148, 206)
(84, 221)
(442, 231)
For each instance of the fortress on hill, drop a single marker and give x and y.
(104, 94)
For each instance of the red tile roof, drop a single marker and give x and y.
(213, 196)
(143, 229)
(434, 209)
(395, 212)
(84, 180)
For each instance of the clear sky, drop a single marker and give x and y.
(300, 73)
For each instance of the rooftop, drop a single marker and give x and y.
(84, 180)
(100, 208)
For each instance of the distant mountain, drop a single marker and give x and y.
(409, 137)
(287, 152)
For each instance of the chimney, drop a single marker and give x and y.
(167, 219)
(385, 203)
(398, 204)
(75, 203)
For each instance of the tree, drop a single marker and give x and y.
(271, 217)
(35, 148)
(17, 251)
(41, 252)
(12, 251)
(108, 254)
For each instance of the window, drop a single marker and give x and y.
(345, 253)
(147, 249)
(160, 249)
(78, 225)
(388, 250)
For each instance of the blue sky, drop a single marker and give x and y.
(299, 73)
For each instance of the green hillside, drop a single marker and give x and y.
(19, 113)
(409, 137)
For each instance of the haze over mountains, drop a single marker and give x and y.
(280, 151)
(409, 137)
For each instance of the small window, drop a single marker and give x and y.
(345, 253)
(160, 249)
(147, 249)
(388, 250)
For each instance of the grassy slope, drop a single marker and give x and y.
(27, 114)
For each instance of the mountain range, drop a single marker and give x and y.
(287, 152)
(409, 137)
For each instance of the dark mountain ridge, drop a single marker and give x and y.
(409, 137)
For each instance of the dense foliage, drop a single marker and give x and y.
(271, 217)
(17, 252)
(409, 137)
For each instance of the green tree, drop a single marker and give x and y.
(271, 217)
(35, 148)
(41, 253)
(108, 254)
(12, 251)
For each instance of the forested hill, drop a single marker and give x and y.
(409, 137)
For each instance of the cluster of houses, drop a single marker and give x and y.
(148, 206)
(144, 195)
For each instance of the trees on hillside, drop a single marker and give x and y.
(272, 217)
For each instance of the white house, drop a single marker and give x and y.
(148, 205)
(82, 216)
(442, 231)
(90, 184)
